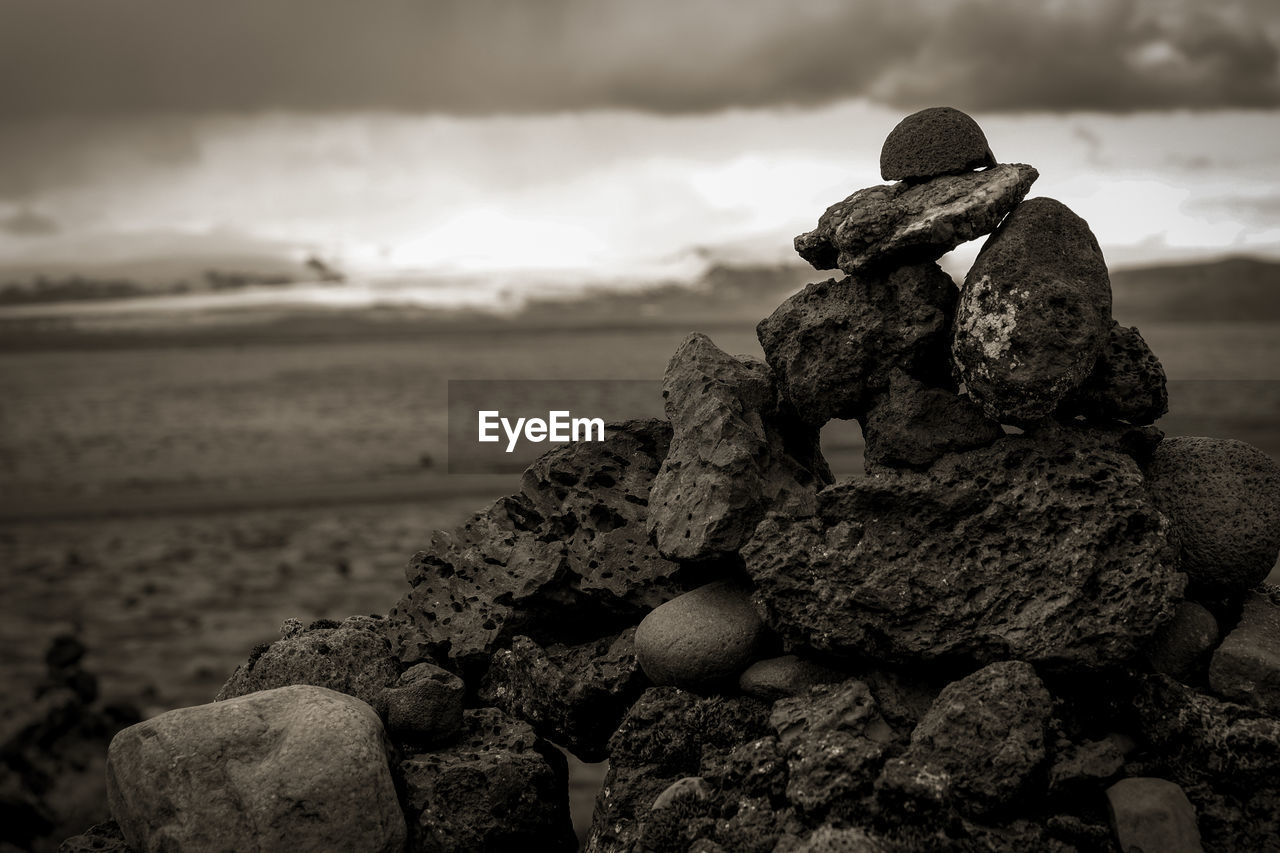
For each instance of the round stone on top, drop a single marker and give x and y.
(933, 142)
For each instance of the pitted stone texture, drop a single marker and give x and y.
(1043, 546)
(1182, 645)
(1127, 383)
(1246, 667)
(353, 657)
(833, 345)
(1034, 313)
(297, 767)
(909, 223)
(734, 455)
(573, 695)
(980, 743)
(914, 424)
(932, 142)
(425, 705)
(559, 562)
(701, 639)
(501, 788)
(1223, 497)
(1153, 814)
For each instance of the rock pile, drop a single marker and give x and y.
(990, 642)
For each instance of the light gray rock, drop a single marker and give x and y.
(700, 639)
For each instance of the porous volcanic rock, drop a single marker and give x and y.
(1181, 646)
(573, 695)
(1043, 546)
(1127, 383)
(931, 142)
(979, 744)
(1246, 667)
(915, 424)
(1034, 313)
(500, 788)
(99, 838)
(425, 705)
(561, 561)
(733, 454)
(1087, 765)
(787, 675)
(909, 223)
(353, 657)
(196, 778)
(833, 345)
(1153, 814)
(1223, 497)
(700, 639)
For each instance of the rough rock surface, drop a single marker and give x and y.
(733, 454)
(788, 675)
(1042, 546)
(501, 788)
(353, 657)
(574, 695)
(932, 142)
(1153, 814)
(907, 223)
(425, 705)
(1181, 646)
(700, 639)
(1246, 667)
(1087, 765)
(1223, 497)
(99, 838)
(1127, 383)
(1034, 313)
(978, 746)
(573, 540)
(915, 424)
(194, 778)
(834, 345)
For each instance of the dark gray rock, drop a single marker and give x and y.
(1181, 646)
(733, 454)
(1246, 667)
(1223, 497)
(1042, 546)
(833, 345)
(909, 223)
(425, 705)
(914, 424)
(501, 788)
(1034, 313)
(700, 639)
(1153, 814)
(99, 838)
(562, 561)
(1089, 764)
(756, 770)
(789, 675)
(690, 787)
(574, 696)
(1127, 383)
(932, 142)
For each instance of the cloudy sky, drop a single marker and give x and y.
(579, 136)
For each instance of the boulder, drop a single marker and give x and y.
(298, 767)
(1223, 497)
(700, 639)
(910, 223)
(1153, 815)
(425, 705)
(789, 675)
(1127, 383)
(573, 695)
(913, 425)
(834, 345)
(1181, 646)
(1246, 667)
(500, 788)
(1034, 313)
(734, 454)
(1043, 546)
(932, 142)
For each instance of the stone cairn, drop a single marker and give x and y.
(1007, 636)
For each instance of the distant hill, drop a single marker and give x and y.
(1234, 289)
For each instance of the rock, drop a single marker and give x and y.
(830, 839)
(1246, 667)
(756, 770)
(425, 707)
(1043, 546)
(1034, 313)
(1089, 764)
(733, 454)
(777, 678)
(913, 425)
(834, 344)
(573, 695)
(296, 767)
(701, 638)
(1182, 644)
(979, 745)
(353, 658)
(99, 838)
(909, 223)
(1153, 815)
(690, 787)
(932, 142)
(1223, 497)
(1127, 383)
(501, 788)
(565, 560)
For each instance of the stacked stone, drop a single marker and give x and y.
(1007, 636)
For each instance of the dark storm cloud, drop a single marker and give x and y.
(28, 223)
(129, 56)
